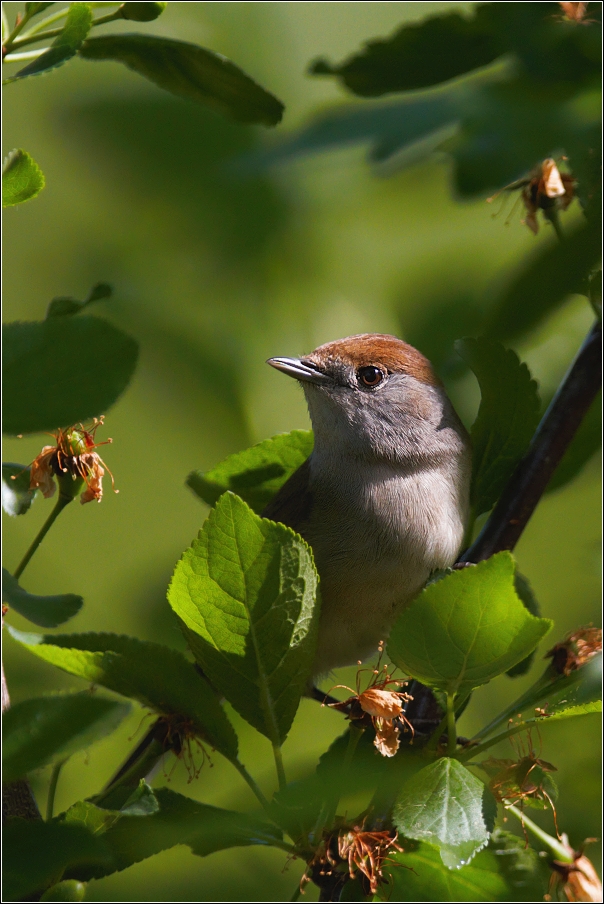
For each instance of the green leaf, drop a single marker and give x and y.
(156, 676)
(141, 802)
(422, 54)
(506, 870)
(57, 847)
(49, 729)
(190, 71)
(585, 443)
(443, 805)
(62, 371)
(178, 820)
(466, 629)
(569, 712)
(246, 592)
(22, 178)
(33, 9)
(525, 593)
(68, 890)
(142, 12)
(16, 494)
(64, 47)
(45, 611)
(506, 420)
(256, 474)
(65, 305)
(552, 272)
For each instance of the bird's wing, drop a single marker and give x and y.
(292, 504)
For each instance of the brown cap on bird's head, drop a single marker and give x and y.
(377, 349)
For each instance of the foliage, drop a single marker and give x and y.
(498, 91)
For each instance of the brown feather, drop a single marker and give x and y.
(376, 348)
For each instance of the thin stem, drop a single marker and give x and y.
(55, 32)
(557, 849)
(253, 785)
(552, 217)
(296, 894)
(471, 752)
(43, 23)
(26, 55)
(279, 765)
(16, 31)
(451, 728)
(52, 788)
(61, 503)
(434, 741)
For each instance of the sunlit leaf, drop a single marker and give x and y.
(189, 71)
(256, 474)
(178, 820)
(569, 712)
(22, 178)
(63, 370)
(443, 805)
(16, 494)
(506, 420)
(246, 592)
(45, 611)
(57, 847)
(156, 676)
(64, 47)
(49, 729)
(466, 629)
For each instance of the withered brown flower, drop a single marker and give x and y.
(546, 189)
(574, 652)
(578, 880)
(381, 705)
(72, 456)
(574, 11)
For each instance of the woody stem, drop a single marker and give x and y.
(62, 502)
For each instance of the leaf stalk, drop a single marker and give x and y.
(61, 503)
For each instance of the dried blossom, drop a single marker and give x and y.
(381, 705)
(577, 650)
(546, 189)
(574, 11)
(72, 457)
(519, 780)
(578, 880)
(362, 851)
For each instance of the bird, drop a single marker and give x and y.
(383, 499)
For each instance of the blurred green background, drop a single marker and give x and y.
(213, 273)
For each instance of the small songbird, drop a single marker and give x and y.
(383, 498)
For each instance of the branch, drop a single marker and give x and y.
(551, 440)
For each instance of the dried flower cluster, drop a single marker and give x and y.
(383, 707)
(574, 11)
(72, 455)
(363, 851)
(577, 650)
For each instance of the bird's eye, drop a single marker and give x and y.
(370, 376)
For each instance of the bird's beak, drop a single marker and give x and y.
(301, 370)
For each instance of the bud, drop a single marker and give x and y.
(578, 879)
(68, 890)
(142, 12)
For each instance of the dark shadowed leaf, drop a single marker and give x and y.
(178, 820)
(33, 9)
(64, 47)
(49, 729)
(256, 473)
(57, 846)
(62, 371)
(585, 443)
(506, 870)
(190, 71)
(422, 54)
(466, 629)
(443, 805)
(45, 611)
(506, 420)
(544, 280)
(16, 494)
(67, 305)
(246, 592)
(156, 676)
(142, 12)
(22, 178)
